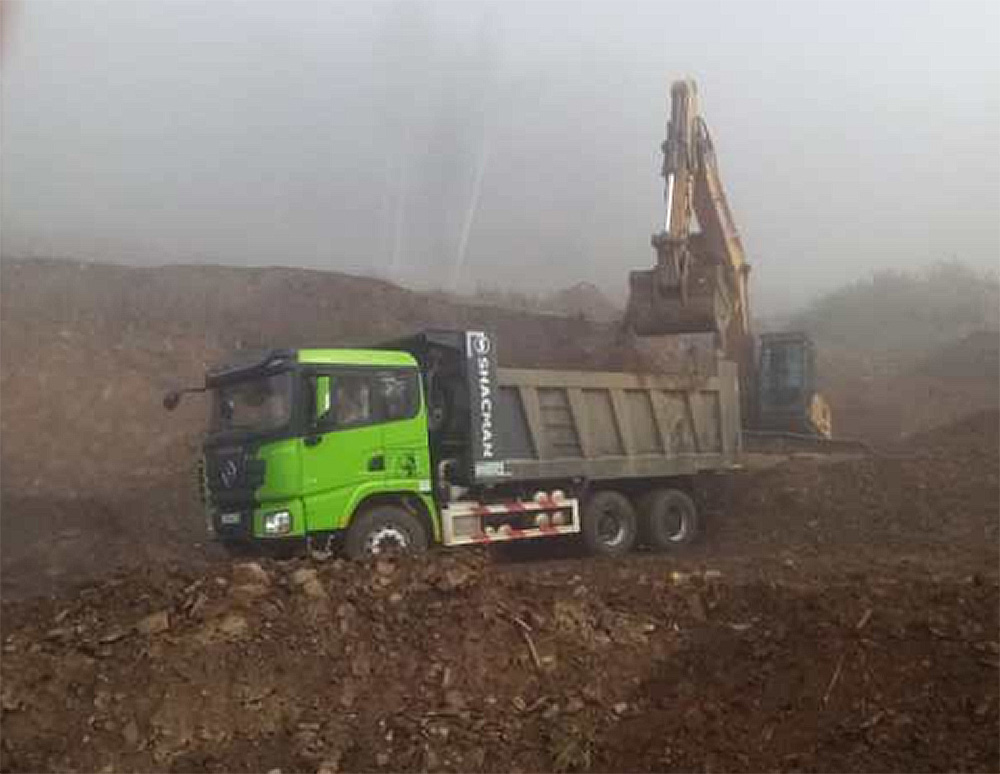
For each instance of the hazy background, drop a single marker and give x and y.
(509, 144)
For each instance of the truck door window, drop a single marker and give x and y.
(352, 401)
(343, 400)
(355, 398)
(400, 394)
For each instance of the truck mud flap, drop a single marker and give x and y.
(468, 522)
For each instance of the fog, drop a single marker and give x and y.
(457, 145)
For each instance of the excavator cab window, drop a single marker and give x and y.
(783, 374)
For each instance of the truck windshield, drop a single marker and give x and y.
(262, 404)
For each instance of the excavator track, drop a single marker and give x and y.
(780, 442)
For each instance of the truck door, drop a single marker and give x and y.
(343, 450)
(407, 460)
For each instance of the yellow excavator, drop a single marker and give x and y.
(700, 284)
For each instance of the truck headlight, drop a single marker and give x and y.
(277, 523)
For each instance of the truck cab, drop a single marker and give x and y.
(299, 440)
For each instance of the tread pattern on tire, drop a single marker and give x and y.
(593, 509)
(656, 531)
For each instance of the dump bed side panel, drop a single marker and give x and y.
(555, 424)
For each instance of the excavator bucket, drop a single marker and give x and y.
(658, 306)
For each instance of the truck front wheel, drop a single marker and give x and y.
(669, 518)
(608, 524)
(385, 529)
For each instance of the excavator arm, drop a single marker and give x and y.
(699, 283)
(720, 240)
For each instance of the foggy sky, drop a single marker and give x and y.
(358, 136)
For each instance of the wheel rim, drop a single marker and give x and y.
(386, 538)
(676, 523)
(610, 526)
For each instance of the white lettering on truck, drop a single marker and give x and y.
(486, 407)
(479, 346)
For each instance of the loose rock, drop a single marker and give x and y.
(250, 573)
(154, 624)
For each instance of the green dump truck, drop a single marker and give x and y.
(425, 440)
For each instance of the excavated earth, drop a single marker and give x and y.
(838, 615)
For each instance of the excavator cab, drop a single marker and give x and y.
(786, 386)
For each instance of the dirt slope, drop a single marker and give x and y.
(89, 349)
(886, 396)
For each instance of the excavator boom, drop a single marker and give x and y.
(699, 283)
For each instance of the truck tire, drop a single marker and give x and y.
(608, 524)
(668, 518)
(385, 528)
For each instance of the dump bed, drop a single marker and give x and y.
(556, 424)
(503, 425)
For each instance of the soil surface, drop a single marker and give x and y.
(837, 615)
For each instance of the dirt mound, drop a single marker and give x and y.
(904, 352)
(885, 397)
(62, 539)
(89, 349)
(938, 495)
(454, 664)
(975, 437)
(584, 300)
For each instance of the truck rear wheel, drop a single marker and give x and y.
(385, 529)
(669, 518)
(608, 524)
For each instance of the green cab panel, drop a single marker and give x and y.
(339, 468)
(356, 357)
(283, 473)
(369, 435)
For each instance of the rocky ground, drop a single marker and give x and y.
(457, 664)
(837, 617)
